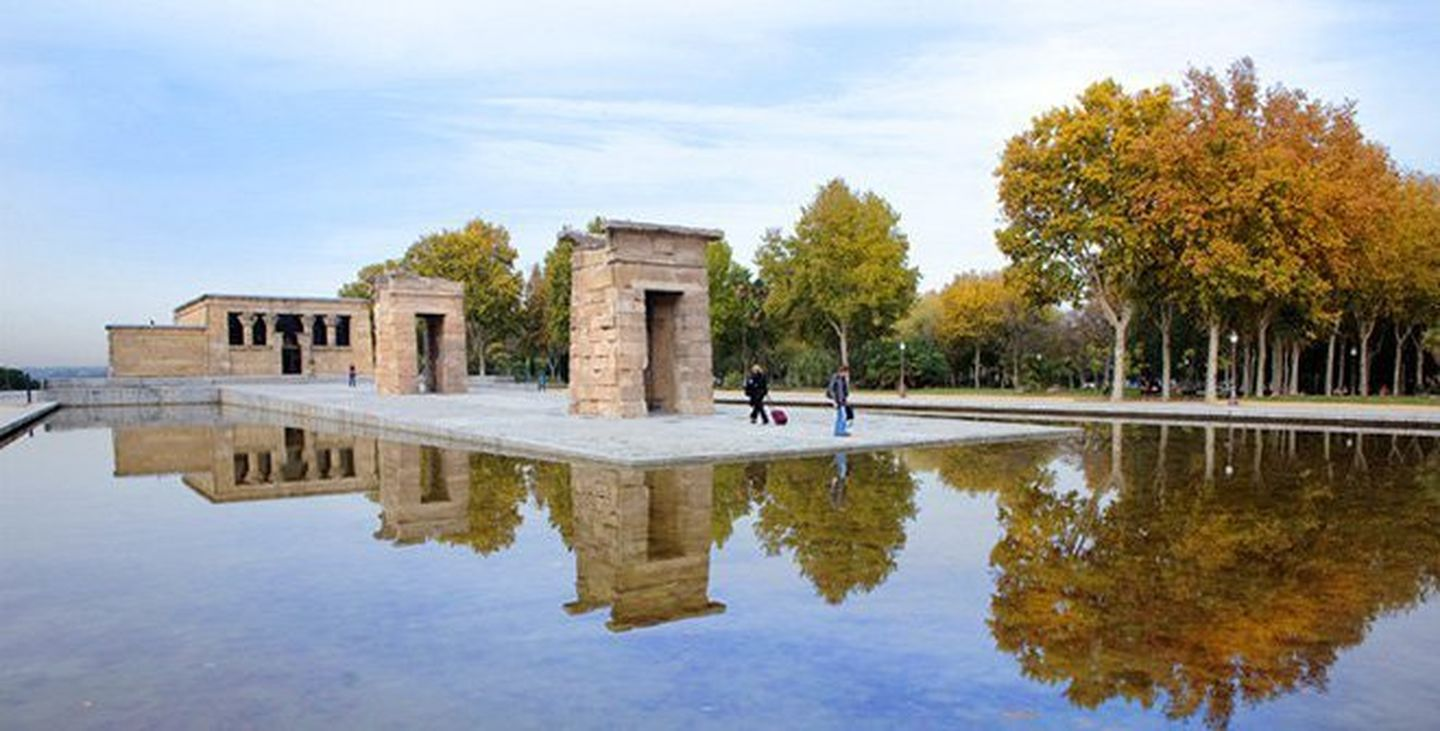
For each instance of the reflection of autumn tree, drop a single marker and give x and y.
(987, 467)
(497, 490)
(550, 484)
(731, 498)
(1200, 594)
(842, 545)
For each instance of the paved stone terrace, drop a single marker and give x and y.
(1385, 416)
(523, 422)
(15, 419)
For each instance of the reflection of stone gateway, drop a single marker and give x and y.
(642, 544)
(640, 321)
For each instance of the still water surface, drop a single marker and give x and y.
(219, 575)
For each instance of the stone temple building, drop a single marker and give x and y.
(640, 321)
(246, 335)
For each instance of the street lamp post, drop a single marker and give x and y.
(1234, 340)
(902, 369)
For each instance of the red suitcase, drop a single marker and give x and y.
(778, 416)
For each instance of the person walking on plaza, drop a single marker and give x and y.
(757, 387)
(352, 375)
(839, 394)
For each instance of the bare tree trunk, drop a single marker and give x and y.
(1209, 454)
(1260, 342)
(1273, 385)
(844, 343)
(1243, 369)
(1296, 349)
(1166, 314)
(1121, 323)
(1117, 457)
(1402, 334)
(1342, 377)
(1419, 359)
(1212, 364)
(976, 366)
(1367, 328)
(1330, 361)
(1015, 368)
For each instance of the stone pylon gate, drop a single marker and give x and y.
(640, 321)
(419, 334)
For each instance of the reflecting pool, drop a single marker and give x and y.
(184, 570)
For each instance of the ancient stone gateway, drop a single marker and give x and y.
(419, 334)
(640, 321)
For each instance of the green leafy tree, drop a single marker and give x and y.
(14, 379)
(730, 326)
(480, 256)
(844, 271)
(363, 286)
(974, 308)
(556, 276)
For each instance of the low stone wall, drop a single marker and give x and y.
(158, 350)
(155, 391)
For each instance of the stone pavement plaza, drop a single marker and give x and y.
(521, 421)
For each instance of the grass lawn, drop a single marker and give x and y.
(1134, 395)
(1369, 400)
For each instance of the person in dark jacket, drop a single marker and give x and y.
(757, 387)
(839, 394)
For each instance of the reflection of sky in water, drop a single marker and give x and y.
(132, 601)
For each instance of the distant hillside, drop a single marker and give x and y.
(41, 373)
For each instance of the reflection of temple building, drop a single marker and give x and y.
(642, 544)
(641, 539)
(234, 463)
(424, 492)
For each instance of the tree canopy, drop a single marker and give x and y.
(844, 271)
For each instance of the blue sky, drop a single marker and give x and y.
(152, 150)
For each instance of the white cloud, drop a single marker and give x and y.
(724, 114)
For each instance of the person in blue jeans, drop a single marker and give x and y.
(839, 394)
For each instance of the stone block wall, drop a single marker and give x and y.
(610, 340)
(399, 299)
(157, 350)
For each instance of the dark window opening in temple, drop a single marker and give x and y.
(294, 468)
(342, 331)
(321, 336)
(262, 467)
(257, 331)
(235, 329)
(432, 476)
(347, 462)
(288, 328)
(242, 468)
(664, 539)
(322, 463)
